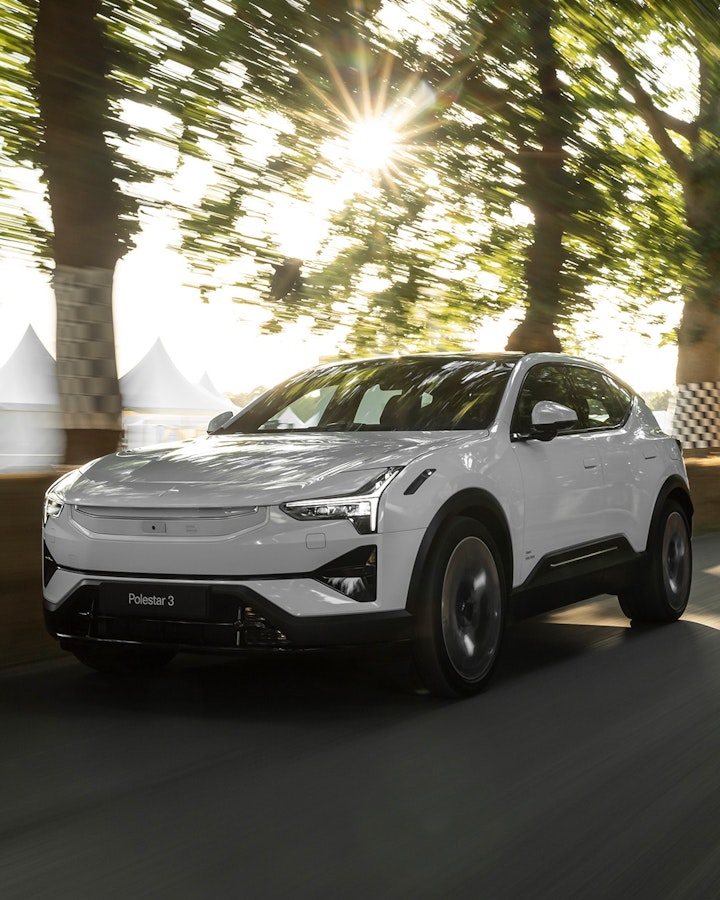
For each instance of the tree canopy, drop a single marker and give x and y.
(540, 154)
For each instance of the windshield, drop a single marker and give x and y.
(410, 394)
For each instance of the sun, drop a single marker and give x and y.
(373, 119)
(372, 144)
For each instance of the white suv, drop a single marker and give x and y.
(427, 498)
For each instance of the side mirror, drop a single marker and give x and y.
(217, 422)
(548, 418)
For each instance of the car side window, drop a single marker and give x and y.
(601, 402)
(543, 382)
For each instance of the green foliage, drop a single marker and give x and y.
(219, 110)
(204, 73)
(445, 239)
(659, 399)
(19, 220)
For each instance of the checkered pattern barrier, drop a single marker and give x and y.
(86, 369)
(695, 414)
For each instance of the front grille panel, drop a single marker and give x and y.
(156, 524)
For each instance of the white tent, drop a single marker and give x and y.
(161, 404)
(206, 384)
(31, 435)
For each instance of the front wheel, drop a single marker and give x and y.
(121, 660)
(665, 589)
(461, 611)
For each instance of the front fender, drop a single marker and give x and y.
(475, 503)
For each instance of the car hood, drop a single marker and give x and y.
(253, 470)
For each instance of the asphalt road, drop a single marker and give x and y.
(589, 769)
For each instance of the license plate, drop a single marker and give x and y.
(152, 601)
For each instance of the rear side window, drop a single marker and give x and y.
(601, 401)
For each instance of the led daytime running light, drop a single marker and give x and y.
(360, 508)
(52, 507)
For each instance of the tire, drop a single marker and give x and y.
(461, 611)
(121, 660)
(663, 594)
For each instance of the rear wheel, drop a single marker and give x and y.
(461, 614)
(121, 660)
(663, 594)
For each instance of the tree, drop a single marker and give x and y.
(72, 66)
(522, 204)
(690, 148)
(516, 182)
(88, 61)
(547, 189)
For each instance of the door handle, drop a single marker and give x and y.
(591, 462)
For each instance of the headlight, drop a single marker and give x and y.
(55, 494)
(359, 508)
(52, 507)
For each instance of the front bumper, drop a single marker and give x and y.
(236, 617)
(255, 580)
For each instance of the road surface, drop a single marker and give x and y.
(589, 769)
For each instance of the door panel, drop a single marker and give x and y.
(563, 478)
(564, 496)
(629, 459)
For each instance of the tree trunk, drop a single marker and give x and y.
(699, 342)
(547, 193)
(72, 64)
(86, 371)
(696, 409)
(534, 334)
(696, 406)
(696, 414)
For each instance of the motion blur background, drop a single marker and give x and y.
(262, 186)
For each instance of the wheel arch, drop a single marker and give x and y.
(473, 503)
(661, 591)
(673, 489)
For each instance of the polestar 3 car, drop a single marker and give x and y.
(428, 499)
